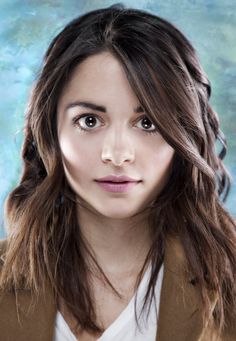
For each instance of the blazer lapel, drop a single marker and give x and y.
(180, 309)
(179, 313)
(23, 319)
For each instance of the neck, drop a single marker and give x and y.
(119, 245)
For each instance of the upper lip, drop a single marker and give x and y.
(115, 178)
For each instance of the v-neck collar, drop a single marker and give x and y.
(180, 313)
(128, 313)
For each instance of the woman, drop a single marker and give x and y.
(117, 229)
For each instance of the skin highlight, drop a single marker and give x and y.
(115, 225)
(57, 193)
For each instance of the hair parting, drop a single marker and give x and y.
(45, 243)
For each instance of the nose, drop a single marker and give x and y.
(117, 149)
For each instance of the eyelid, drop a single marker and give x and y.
(146, 116)
(77, 117)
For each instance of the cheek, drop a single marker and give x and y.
(75, 154)
(160, 163)
(164, 156)
(156, 154)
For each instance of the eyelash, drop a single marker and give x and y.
(77, 118)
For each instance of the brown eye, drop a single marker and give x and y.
(147, 125)
(85, 121)
(90, 121)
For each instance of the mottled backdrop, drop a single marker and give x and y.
(26, 28)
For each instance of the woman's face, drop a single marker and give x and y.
(116, 139)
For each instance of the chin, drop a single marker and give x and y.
(118, 212)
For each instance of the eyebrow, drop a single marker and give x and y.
(96, 107)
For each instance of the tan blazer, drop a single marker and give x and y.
(179, 315)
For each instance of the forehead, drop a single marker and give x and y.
(101, 79)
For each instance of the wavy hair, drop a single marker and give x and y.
(163, 69)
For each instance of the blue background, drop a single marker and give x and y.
(27, 27)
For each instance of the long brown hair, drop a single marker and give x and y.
(44, 239)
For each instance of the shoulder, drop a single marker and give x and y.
(176, 261)
(175, 257)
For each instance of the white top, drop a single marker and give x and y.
(124, 328)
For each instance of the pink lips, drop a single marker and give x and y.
(117, 184)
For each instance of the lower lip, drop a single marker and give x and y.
(117, 187)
